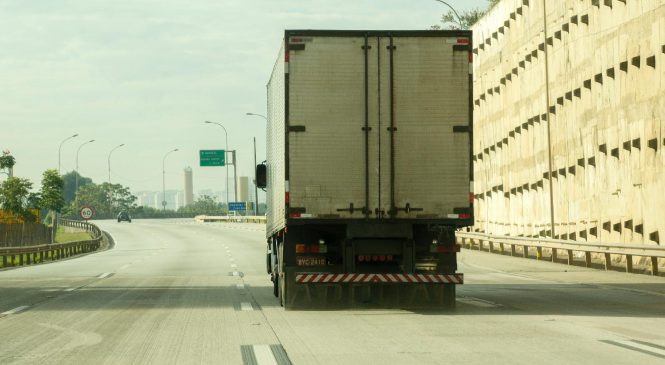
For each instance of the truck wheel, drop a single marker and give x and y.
(275, 286)
(268, 263)
(449, 296)
(282, 292)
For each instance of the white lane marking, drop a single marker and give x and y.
(641, 346)
(477, 302)
(235, 273)
(15, 310)
(264, 355)
(70, 289)
(234, 266)
(246, 306)
(104, 275)
(240, 286)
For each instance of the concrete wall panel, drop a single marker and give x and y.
(606, 70)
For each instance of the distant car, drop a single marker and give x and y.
(124, 216)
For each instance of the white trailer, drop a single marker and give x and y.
(368, 164)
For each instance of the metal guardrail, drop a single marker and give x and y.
(472, 240)
(231, 218)
(19, 256)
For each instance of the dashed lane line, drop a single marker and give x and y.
(246, 306)
(240, 286)
(639, 346)
(104, 275)
(15, 310)
(264, 355)
(476, 302)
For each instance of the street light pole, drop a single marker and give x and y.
(60, 148)
(76, 198)
(226, 165)
(164, 180)
(109, 166)
(459, 20)
(256, 189)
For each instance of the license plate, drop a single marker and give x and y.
(310, 261)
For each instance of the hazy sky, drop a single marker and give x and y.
(147, 73)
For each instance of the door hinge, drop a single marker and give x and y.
(352, 209)
(406, 209)
(297, 128)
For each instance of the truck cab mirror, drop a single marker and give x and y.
(261, 176)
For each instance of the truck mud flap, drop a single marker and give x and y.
(339, 291)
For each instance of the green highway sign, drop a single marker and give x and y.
(211, 157)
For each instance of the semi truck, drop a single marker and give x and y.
(368, 172)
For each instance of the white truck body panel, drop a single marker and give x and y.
(319, 103)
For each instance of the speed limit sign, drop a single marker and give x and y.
(86, 213)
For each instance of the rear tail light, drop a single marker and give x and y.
(300, 248)
(464, 216)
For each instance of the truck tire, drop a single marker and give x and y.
(275, 286)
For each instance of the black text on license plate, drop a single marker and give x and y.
(310, 261)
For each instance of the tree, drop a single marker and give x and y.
(16, 198)
(7, 161)
(466, 18)
(52, 196)
(70, 185)
(106, 199)
(204, 204)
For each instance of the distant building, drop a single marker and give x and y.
(189, 187)
(242, 187)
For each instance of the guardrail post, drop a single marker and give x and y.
(539, 253)
(20, 260)
(501, 248)
(654, 265)
(491, 246)
(608, 261)
(525, 251)
(480, 245)
(587, 258)
(4, 261)
(554, 255)
(629, 263)
(513, 250)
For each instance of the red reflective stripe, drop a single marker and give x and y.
(463, 40)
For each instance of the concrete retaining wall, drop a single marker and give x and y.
(604, 107)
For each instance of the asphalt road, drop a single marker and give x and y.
(176, 292)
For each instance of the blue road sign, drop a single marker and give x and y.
(237, 206)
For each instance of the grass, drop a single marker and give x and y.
(63, 237)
